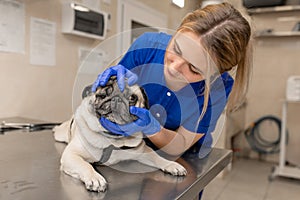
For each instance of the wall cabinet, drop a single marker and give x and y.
(273, 9)
(291, 14)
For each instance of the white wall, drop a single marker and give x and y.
(42, 92)
(45, 92)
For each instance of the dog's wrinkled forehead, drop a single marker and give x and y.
(109, 89)
(112, 89)
(114, 105)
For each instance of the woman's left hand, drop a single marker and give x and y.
(145, 123)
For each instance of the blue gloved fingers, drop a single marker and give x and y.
(96, 83)
(125, 130)
(121, 71)
(110, 126)
(103, 78)
(142, 114)
(131, 78)
(129, 128)
(146, 122)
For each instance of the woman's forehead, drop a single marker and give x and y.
(192, 50)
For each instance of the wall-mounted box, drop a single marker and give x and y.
(80, 20)
(293, 88)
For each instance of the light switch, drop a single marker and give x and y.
(109, 22)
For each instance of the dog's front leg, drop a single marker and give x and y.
(151, 158)
(73, 163)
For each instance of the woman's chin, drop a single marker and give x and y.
(175, 84)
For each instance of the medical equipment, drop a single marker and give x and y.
(263, 135)
(80, 20)
(292, 96)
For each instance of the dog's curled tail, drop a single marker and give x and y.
(62, 133)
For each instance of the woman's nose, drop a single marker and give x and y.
(178, 64)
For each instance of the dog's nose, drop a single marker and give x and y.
(116, 103)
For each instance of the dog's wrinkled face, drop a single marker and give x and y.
(114, 105)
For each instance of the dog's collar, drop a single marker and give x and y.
(108, 151)
(111, 135)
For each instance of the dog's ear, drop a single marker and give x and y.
(145, 98)
(87, 91)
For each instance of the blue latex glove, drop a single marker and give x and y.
(121, 72)
(145, 123)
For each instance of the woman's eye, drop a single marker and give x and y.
(193, 69)
(176, 47)
(176, 50)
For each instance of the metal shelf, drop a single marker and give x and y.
(273, 9)
(278, 34)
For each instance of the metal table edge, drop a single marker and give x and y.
(199, 185)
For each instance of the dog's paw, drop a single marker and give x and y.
(175, 169)
(95, 182)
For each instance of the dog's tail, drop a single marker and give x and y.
(62, 133)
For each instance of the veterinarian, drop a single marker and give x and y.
(186, 78)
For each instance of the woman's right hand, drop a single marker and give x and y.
(145, 123)
(121, 72)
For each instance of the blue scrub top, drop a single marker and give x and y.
(172, 109)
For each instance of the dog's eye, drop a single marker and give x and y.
(109, 90)
(101, 96)
(133, 98)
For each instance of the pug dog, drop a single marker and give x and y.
(88, 142)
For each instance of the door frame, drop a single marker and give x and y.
(142, 14)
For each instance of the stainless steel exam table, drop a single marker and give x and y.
(29, 170)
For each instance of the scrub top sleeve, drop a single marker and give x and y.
(135, 56)
(129, 60)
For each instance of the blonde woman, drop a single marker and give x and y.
(186, 78)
